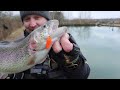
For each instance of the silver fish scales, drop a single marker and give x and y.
(21, 55)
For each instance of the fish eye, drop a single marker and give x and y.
(45, 26)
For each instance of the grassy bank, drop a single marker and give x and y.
(16, 34)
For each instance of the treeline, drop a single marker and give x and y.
(64, 21)
(84, 19)
(78, 22)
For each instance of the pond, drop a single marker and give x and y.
(101, 47)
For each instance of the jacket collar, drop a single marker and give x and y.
(26, 33)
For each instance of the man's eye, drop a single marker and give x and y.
(26, 19)
(36, 18)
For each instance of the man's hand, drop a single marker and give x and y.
(65, 52)
(64, 44)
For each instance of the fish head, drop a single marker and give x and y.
(41, 37)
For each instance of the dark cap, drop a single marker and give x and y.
(45, 14)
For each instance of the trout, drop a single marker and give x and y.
(20, 55)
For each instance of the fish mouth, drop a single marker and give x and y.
(32, 51)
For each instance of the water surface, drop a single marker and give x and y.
(101, 47)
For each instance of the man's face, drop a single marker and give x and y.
(31, 22)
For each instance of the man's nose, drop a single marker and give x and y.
(32, 23)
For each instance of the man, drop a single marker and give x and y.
(65, 60)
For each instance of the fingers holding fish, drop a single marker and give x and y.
(63, 43)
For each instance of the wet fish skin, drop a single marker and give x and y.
(19, 56)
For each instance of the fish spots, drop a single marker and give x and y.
(42, 35)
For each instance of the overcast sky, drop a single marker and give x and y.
(93, 14)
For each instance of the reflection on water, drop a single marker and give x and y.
(82, 32)
(100, 45)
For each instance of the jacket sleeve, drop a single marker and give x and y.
(82, 71)
(78, 69)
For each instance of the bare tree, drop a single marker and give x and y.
(84, 15)
(68, 14)
(57, 15)
(6, 14)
